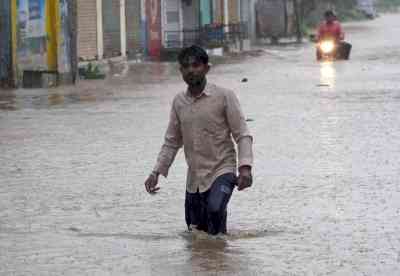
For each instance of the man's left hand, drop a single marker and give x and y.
(245, 178)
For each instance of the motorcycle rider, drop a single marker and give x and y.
(331, 29)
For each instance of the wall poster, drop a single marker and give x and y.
(31, 35)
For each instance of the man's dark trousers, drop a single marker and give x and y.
(208, 210)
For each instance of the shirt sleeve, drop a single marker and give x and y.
(172, 144)
(239, 129)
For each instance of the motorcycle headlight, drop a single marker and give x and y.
(327, 46)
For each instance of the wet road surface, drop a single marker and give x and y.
(326, 198)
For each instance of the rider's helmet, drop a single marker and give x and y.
(329, 16)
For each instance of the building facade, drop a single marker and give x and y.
(128, 28)
(40, 41)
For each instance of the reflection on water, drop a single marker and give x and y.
(332, 139)
(328, 74)
(223, 254)
(14, 100)
(190, 253)
(128, 236)
(137, 73)
(8, 100)
(214, 254)
(122, 74)
(55, 99)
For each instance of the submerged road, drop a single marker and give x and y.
(326, 197)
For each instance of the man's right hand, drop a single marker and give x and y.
(151, 183)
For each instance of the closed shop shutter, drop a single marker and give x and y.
(133, 44)
(233, 12)
(111, 28)
(87, 29)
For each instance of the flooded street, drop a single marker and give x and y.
(326, 194)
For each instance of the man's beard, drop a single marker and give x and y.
(194, 81)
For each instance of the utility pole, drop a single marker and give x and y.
(100, 34)
(123, 27)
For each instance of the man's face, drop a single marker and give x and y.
(194, 71)
(330, 18)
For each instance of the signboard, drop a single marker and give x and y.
(35, 18)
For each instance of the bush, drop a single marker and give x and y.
(388, 5)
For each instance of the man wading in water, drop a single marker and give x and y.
(203, 120)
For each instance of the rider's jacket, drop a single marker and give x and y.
(332, 30)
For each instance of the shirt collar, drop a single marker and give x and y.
(207, 92)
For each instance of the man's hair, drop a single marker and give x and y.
(198, 53)
(329, 13)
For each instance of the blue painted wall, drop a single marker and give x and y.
(206, 12)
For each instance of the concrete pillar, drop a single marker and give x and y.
(240, 15)
(143, 26)
(181, 22)
(123, 27)
(163, 8)
(252, 21)
(226, 15)
(100, 36)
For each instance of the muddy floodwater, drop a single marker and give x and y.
(326, 194)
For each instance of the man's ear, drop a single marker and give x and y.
(208, 67)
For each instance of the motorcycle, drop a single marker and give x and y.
(329, 49)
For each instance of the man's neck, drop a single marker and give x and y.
(196, 91)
